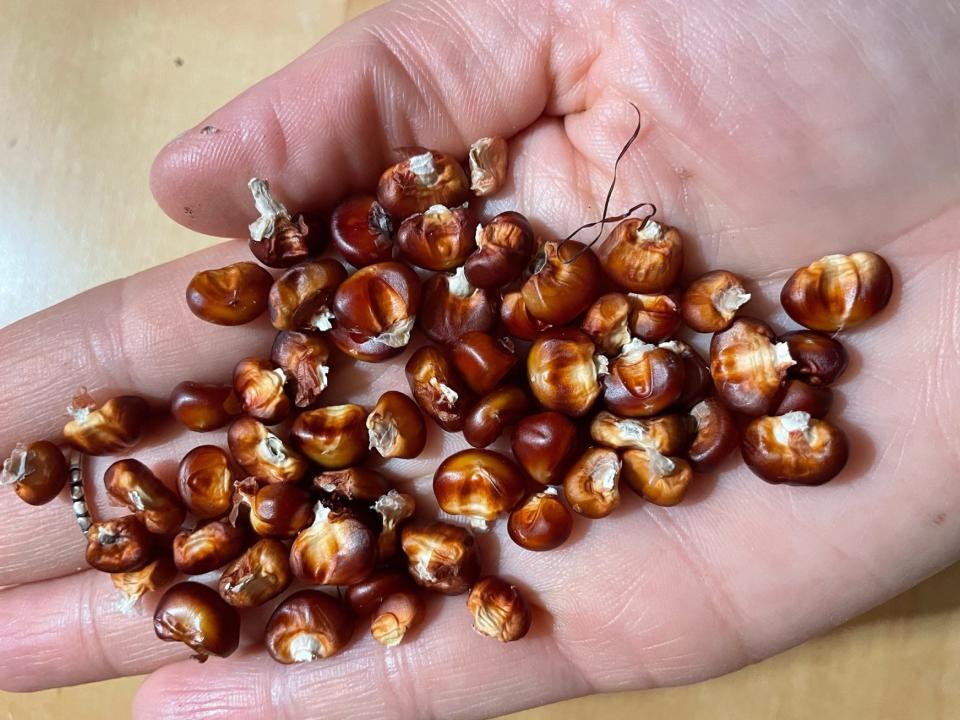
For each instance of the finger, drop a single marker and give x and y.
(133, 335)
(445, 670)
(325, 124)
(102, 640)
(41, 543)
(45, 542)
(71, 630)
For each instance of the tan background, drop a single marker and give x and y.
(91, 89)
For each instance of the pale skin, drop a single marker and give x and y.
(771, 137)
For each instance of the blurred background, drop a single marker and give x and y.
(91, 89)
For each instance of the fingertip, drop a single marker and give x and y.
(187, 181)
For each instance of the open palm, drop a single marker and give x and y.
(773, 133)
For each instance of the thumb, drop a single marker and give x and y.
(409, 73)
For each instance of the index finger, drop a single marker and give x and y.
(325, 124)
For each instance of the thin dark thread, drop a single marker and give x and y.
(604, 218)
(616, 166)
(615, 218)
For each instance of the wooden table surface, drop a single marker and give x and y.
(90, 89)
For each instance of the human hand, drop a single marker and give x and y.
(769, 140)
